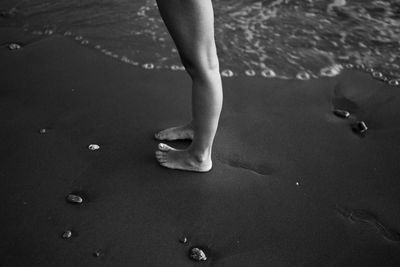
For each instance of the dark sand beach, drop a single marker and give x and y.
(292, 183)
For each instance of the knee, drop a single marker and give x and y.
(205, 66)
(205, 62)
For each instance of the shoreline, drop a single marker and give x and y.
(325, 72)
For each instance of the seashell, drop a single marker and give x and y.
(67, 234)
(75, 199)
(14, 46)
(341, 113)
(183, 239)
(197, 254)
(360, 127)
(94, 147)
(97, 253)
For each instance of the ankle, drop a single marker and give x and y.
(189, 125)
(201, 156)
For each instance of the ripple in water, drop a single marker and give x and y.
(282, 38)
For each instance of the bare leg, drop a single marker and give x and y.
(191, 25)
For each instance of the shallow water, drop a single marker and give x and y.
(286, 38)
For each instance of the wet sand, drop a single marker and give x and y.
(292, 183)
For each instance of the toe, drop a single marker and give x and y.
(158, 136)
(164, 147)
(162, 160)
(160, 155)
(165, 164)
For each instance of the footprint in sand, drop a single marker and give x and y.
(260, 168)
(363, 216)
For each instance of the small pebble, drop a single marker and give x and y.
(341, 113)
(183, 240)
(14, 46)
(394, 82)
(96, 253)
(74, 199)
(197, 254)
(67, 234)
(94, 147)
(43, 131)
(360, 127)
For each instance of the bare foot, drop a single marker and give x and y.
(176, 133)
(181, 159)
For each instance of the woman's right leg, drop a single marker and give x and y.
(191, 25)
